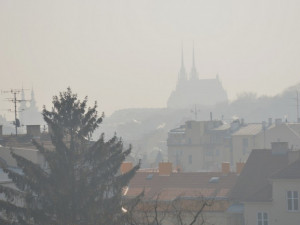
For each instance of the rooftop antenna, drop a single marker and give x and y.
(195, 111)
(15, 100)
(297, 99)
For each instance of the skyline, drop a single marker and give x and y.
(128, 54)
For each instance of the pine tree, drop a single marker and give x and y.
(81, 184)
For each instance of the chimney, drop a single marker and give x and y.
(165, 168)
(211, 118)
(34, 130)
(1, 130)
(126, 167)
(278, 121)
(270, 121)
(225, 167)
(263, 125)
(242, 121)
(239, 167)
(280, 148)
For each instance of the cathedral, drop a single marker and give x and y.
(191, 90)
(29, 113)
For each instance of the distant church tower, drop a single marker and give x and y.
(194, 74)
(182, 76)
(30, 115)
(192, 90)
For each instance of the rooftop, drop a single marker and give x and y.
(291, 171)
(254, 183)
(249, 129)
(186, 185)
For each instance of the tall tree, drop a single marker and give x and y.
(81, 183)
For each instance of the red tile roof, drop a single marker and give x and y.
(186, 185)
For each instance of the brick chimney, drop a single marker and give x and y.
(165, 168)
(239, 167)
(225, 167)
(126, 167)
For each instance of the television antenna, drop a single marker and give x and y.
(195, 112)
(15, 100)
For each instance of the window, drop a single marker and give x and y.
(190, 159)
(262, 218)
(292, 201)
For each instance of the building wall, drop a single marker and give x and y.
(30, 154)
(277, 210)
(251, 210)
(242, 146)
(280, 209)
(280, 133)
(198, 148)
(186, 157)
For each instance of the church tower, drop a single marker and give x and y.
(194, 74)
(182, 76)
(32, 100)
(192, 90)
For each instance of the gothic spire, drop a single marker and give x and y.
(193, 57)
(32, 101)
(194, 74)
(182, 73)
(182, 64)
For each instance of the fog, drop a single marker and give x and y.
(126, 54)
(201, 104)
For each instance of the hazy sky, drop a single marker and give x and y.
(126, 53)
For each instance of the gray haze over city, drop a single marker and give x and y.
(201, 120)
(127, 54)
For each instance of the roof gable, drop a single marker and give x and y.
(291, 171)
(260, 165)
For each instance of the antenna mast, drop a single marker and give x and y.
(195, 111)
(15, 100)
(298, 119)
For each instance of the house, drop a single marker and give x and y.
(164, 188)
(268, 188)
(22, 145)
(261, 136)
(201, 145)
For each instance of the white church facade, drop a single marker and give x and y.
(29, 113)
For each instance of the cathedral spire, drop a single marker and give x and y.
(193, 56)
(23, 102)
(182, 77)
(182, 64)
(32, 101)
(194, 74)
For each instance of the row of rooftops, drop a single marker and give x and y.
(251, 183)
(169, 184)
(23, 140)
(239, 127)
